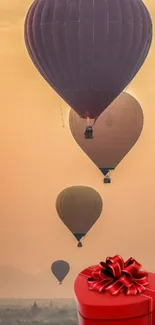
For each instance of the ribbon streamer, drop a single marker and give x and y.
(115, 276)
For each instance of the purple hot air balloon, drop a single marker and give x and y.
(88, 50)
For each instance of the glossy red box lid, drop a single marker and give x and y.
(94, 305)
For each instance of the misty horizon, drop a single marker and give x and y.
(40, 312)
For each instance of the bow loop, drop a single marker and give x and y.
(114, 275)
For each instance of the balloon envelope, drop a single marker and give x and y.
(88, 51)
(79, 207)
(115, 132)
(60, 269)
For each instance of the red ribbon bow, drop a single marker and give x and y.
(114, 275)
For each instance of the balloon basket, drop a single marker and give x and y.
(107, 180)
(88, 133)
(60, 283)
(79, 244)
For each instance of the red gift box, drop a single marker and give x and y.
(105, 299)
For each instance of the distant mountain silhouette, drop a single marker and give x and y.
(19, 284)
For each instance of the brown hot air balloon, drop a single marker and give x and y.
(79, 207)
(116, 131)
(60, 269)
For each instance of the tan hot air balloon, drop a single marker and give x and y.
(79, 207)
(115, 132)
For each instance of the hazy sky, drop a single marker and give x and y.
(39, 158)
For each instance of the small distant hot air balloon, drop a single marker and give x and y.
(79, 207)
(88, 51)
(116, 131)
(60, 269)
